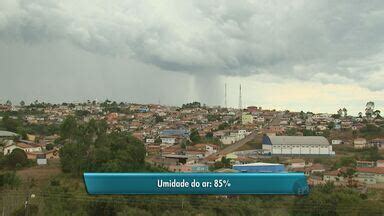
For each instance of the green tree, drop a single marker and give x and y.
(158, 119)
(223, 126)
(17, 158)
(209, 135)
(194, 136)
(158, 140)
(92, 149)
(11, 124)
(49, 147)
(68, 128)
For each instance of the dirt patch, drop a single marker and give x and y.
(40, 174)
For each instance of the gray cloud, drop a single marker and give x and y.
(325, 41)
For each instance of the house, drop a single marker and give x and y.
(175, 132)
(274, 130)
(380, 163)
(337, 142)
(23, 145)
(337, 127)
(194, 168)
(379, 142)
(246, 118)
(41, 159)
(365, 164)
(322, 127)
(370, 175)
(232, 138)
(297, 163)
(206, 149)
(168, 140)
(334, 176)
(359, 143)
(260, 119)
(309, 170)
(52, 154)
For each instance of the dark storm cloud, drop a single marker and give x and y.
(325, 41)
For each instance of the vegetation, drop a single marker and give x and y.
(372, 131)
(9, 179)
(194, 136)
(88, 147)
(191, 105)
(330, 200)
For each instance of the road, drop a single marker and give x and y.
(252, 136)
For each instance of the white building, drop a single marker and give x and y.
(28, 148)
(337, 142)
(170, 140)
(359, 143)
(297, 145)
(234, 137)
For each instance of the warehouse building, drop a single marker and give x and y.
(259, 167)
(296, 145)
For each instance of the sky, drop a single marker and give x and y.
(299, 55)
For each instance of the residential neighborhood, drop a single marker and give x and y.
(198, 138)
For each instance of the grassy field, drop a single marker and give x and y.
(40, 175)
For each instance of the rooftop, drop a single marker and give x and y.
(376, 170)
(259, 164)
(7, 134)
(295, 140)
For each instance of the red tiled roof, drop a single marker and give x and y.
(377, 170)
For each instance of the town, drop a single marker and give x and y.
(334, 147)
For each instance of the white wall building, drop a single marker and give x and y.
(234, 137)
(337, 142)
(297, 145)
(168, 140)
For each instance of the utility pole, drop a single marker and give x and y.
(225, 96)
(240, 101)
(3, 212)
(26, 204)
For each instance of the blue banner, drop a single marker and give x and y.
(196, 183)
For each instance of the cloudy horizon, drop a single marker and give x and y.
(301, 55)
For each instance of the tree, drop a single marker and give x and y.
(8, 103)
(331, 125)
(194, 136)
(226, 162)
(22, 103)
(209, 135)
(291, 131)
(191, 105)
(92, 149)
(360, 114)
(68, 128)
(223, 126)
(158, 119)
(340, 112)
(17, 158)
(158, 140)
(345, 112)
(49, 147)
(369, 107)
(376, 114)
